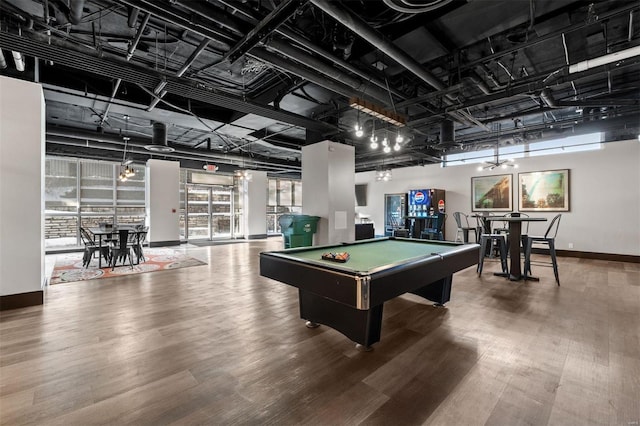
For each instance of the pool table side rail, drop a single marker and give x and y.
(363, 290)
(346, 267)
(319, 279)
(417, 274)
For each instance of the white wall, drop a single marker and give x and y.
(255, 205)
(163, 201)
(328, 190)
(604, 214)
(22, 147)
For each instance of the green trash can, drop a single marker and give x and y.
(297, 230)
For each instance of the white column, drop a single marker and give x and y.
(255, 206)
(328, 190)
(163, 202)
(22, 148)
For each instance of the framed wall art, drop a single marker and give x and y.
(491, 193)
(545, 191)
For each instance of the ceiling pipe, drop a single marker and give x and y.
(200, 9)
(18, 60)
(303, 72)
(136, 146)
(306, 59)
(75, 11)
(307, 44)
(158, 90)
(604, 60)
(368, 34)
(601, 18)
(130, 51)
(132, 19)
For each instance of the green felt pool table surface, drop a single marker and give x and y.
(372, 254)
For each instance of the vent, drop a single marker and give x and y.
(159, 139)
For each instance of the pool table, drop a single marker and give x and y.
(349, 296)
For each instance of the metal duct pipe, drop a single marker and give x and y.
(370, 35)
(548, 98)
(159, 136)
(304, 58)
(19, 60)
(80, 138)
(136, 40)
(378, 41)
(605, 59)
(307, 44)
(133, 16)
(75, 11)
(446, 131)
(305, 73)
(3, 61)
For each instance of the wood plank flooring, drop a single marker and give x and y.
(218, 344)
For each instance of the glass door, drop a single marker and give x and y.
(209, 212)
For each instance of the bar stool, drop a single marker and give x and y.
(500, 241)
(548, 239)
(464, 228)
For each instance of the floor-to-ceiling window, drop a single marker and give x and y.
(285, 196)
(86, 193)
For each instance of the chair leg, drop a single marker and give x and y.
(527, 257)
(554, 261)
(503, 255)
(483, 243)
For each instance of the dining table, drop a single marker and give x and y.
(515, 235)
(100, 232)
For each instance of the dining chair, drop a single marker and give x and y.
(140, 238)
(120, 249)
(90, 247)
(462, 222)
(492, 243)
(549, 240)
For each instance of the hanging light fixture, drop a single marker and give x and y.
(383, 175)
(126, 171)
(385, 144)
(358, 127)
(374, 138)
(503, 164)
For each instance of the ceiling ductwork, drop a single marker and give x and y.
(530, 71)
(159, 142)
(416, 6)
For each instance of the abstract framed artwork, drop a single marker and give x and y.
(545, 191)
(491, 193)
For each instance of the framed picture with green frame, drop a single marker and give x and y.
(544, 191)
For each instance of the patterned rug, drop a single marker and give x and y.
(68, 267)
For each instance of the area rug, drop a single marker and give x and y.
(68, 267)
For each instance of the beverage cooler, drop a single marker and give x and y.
(425, 214)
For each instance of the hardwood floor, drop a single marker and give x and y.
(218, 344)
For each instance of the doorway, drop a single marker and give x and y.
(209, 212)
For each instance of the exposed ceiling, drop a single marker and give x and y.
(248, 83)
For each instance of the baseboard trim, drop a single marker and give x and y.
(164, 243)
(257, 237)
(592, 255)
(21, 300)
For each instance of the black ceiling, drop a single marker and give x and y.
(248, 83)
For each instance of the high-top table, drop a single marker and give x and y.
(515, 235)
